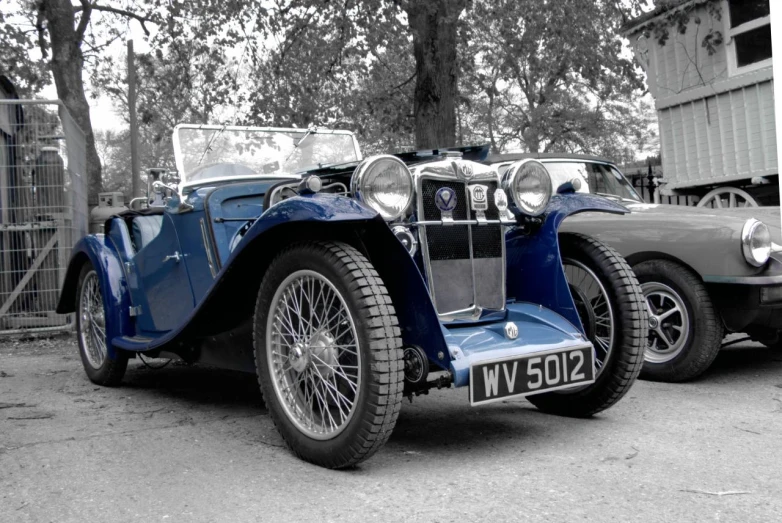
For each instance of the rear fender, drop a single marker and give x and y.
(534, 265)
(99, 251)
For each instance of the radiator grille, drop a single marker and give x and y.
(461, 278)
(446, 242)
(487, 239)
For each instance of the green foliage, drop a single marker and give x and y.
(18, 37)
(677, 15)
(551, 77)
(336, 64)
(531, 74)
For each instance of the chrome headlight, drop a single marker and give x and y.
(385, 184)
(529, 184)
(756, 242)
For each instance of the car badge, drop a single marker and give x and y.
(466, 169)
(501, 200)
(445, 199)
(478, 197)
(511, 331)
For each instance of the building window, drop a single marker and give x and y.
(748, 26)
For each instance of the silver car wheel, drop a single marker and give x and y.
(313, 354)
(92, 329)
(669, 322)
(582, 277)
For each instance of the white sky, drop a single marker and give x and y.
(102, 111)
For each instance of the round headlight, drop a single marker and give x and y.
(385, 184)
(756, 242)
(529, 184)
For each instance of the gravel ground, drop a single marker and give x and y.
(195, 444)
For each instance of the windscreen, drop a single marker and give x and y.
(205, 153)
(596, 178)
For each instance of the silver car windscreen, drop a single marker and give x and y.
(596, 178)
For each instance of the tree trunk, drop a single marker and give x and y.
(490, 92)
(67, 63)
(433, 24)
(531, 139)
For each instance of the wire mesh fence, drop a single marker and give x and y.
(43, 211)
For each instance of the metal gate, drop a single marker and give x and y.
(43, 211)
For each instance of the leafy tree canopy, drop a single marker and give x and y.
(530, 74)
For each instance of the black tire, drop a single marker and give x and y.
(377, 398)
(624, 358)
(110, 370)
(702, 338)
(773, 345)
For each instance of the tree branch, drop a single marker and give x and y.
(41, 31)
(87, 6)
(84, 21)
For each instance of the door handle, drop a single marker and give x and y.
(176, 257)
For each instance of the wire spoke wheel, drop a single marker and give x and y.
(594, 309)
(103, 364)
(328, 353)
(313, 354)
(92, 325)
(669, 322)
(609, 305)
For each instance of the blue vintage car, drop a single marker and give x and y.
(347, 284)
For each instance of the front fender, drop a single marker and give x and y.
(231, 297)
(326, 216)
(534, 266)
(307, 209)
(96, 250)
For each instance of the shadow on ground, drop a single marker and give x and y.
(196, 385)
(738, 363)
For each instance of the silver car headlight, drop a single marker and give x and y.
(756, 242)
(529, 184)
(385, 184)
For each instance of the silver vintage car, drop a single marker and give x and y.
(704, 272)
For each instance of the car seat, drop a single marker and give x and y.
(144, 229)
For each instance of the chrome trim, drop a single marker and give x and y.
(747, 232)
(207, 248)
(419, 175)
(509, 179)
(141, 199)
(745, 280)
(325, 188)
(357, 180)
(401, 230)
(275, 193)
(462, 222)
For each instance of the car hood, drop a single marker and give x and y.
(707, 240)
(768, 215)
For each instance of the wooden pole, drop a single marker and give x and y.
(134, 159)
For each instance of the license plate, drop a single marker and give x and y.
(530, 374)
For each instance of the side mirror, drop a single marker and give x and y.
(570, 186)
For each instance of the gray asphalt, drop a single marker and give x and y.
(196, 444)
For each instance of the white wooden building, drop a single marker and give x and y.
(715, 109)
